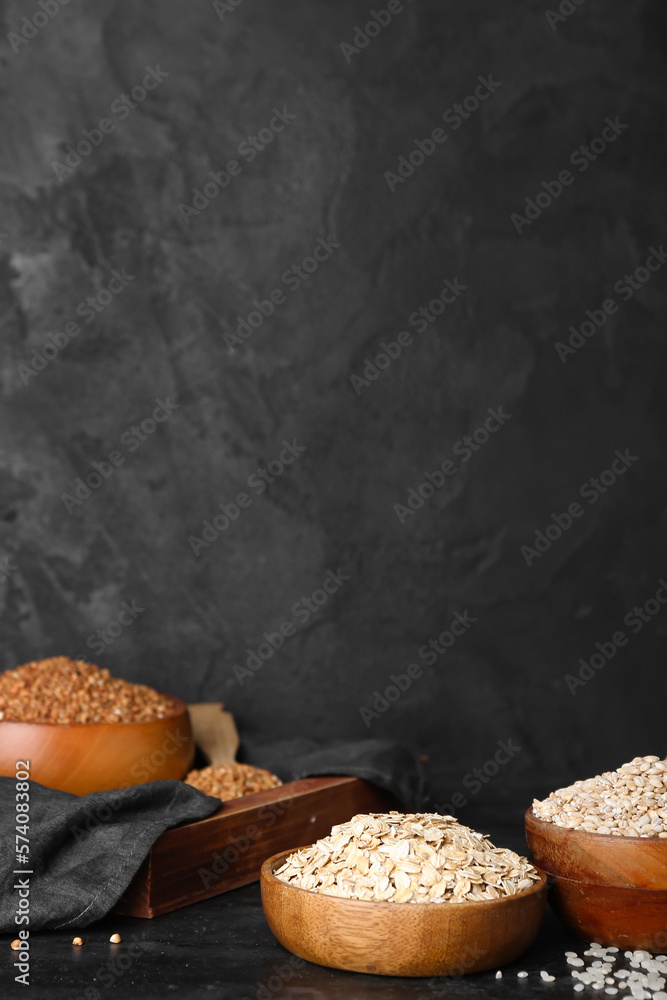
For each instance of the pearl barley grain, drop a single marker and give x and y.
(16, 944)
(77, 941)
(628, 802)
(115, 939)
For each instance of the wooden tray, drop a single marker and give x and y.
(202, 859)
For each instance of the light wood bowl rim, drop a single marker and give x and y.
(266, 874)
(179, 709)
(585, 836)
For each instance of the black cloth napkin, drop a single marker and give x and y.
(84, 851)
(385, 763)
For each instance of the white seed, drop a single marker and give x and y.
(499, 974)
(521, 975)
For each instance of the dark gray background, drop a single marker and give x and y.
(164, 336)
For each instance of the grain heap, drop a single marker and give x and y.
(628, 802)
(641, 975)
(643, 980)
(407, 858)
(73, 692)
(231, 781)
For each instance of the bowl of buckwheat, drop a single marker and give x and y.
(403, 894)
(603, 843)
(83, 730)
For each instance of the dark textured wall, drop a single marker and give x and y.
(170, 334)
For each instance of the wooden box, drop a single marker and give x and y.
(202, 859)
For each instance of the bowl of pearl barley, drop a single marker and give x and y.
(603, 843)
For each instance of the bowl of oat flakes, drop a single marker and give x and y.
(83, 730)
(400, 894)
(603, 843)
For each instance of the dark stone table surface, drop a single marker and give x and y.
(223, 949)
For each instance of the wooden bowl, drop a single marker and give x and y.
(607, 889)
(95, 758)
(400, 939)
